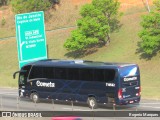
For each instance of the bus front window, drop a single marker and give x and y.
(21, 79)
(23, 75)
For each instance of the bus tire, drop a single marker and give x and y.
(34, 97)
(92, 102)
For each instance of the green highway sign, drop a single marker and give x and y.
(31, 37)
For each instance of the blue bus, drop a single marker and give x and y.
(80, 81)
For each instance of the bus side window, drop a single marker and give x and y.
(48, 72)
(73, 74)
(86, 74)
(99, 75)
(60, 73)
(36, 72)
(109, 75)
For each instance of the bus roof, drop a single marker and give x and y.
(78, 63)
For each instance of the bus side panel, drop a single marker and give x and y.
(70, 90)
(95, 89)
(79, 90)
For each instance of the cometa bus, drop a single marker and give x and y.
(80, 81)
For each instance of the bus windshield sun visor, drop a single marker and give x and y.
(21, 71)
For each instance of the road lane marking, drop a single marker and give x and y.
(150, 103)
(76, 109)
(68, 108)
(9, 93)
(82, 110)
(151, 107)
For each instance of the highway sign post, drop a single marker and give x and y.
(31, 38)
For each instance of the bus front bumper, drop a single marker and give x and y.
(23, 93)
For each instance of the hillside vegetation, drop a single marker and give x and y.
(122, 48)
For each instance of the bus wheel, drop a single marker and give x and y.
(92, 102)
(35, 98)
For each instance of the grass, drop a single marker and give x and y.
(123, 48)
(54, 18)
(8, 60)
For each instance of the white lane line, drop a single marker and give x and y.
(151, 107)
(68, 108)
(76, 109)
(9, 93)
(82, 110)
(150, 103)
(90, 110)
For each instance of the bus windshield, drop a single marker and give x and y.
(22, 79)
(24, 75)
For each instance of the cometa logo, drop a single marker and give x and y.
(130, 79)
(44, 84)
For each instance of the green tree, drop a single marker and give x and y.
(150, 34)
(22, 6)
(97, 22)
(157, 4)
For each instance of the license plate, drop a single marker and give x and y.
(131, 101)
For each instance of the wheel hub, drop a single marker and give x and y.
(92, 103)
(35, 97)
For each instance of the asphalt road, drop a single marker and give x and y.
(9, 101)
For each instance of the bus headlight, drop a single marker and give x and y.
(22, 90)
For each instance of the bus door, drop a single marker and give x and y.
(129, 85)
(110, 78)
(22, 81)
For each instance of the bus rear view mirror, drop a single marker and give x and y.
(14, 75)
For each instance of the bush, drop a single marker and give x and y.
(55, 1)
(3, 22)
(23, 6)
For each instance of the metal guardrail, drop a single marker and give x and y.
(19, 102)
(53, 30)
(6, 38)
